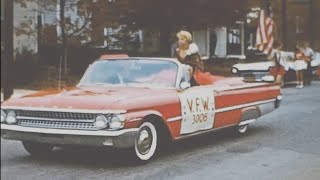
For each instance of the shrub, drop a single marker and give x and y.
(25, 67)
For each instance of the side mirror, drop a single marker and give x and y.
(185, 85)
(267, 78)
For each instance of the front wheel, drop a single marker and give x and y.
(37, 149)
(146, 142)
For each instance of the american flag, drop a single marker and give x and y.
(265, 38)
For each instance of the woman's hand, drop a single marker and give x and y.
(307, 59)
(299, 56)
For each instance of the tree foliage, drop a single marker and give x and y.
(76, 20)
(155, 13)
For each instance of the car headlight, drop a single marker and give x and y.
(117, 122)
(101, 122)
(3, 116)
(11, 118)
(234, 70)
(267, 78)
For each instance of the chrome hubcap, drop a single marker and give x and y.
(144, 141)
(243, 128)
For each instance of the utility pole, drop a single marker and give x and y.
(312, 22)
(7, 49)
(284, 23)
(39, 33)
(62, 24)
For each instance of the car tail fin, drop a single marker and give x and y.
(113, 56)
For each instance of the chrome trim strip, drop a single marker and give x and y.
(230, 108)
(67, 110)
(178, 118)
(227, 88)
(134, 119)
(247, 122)
(67, 131)
(203, 132)
(51, 119)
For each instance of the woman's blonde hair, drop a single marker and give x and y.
(186, 35)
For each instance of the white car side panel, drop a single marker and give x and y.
(254, 66)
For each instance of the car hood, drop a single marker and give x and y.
(96, 98)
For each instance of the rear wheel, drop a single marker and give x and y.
(37, 149)
(146, 143)
(242, 129)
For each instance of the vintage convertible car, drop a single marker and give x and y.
(138, 103)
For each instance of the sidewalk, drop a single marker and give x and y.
(19, 93)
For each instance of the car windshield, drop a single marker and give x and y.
(131, 72)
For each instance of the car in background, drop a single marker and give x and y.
(254, 67)
(315, 63)
(253, 70)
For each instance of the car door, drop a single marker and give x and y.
(197, 109)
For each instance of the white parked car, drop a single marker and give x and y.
(316, 60)
(256, 70)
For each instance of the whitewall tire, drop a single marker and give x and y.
(242, 129)
(146, 142)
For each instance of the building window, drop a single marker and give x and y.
(2, 10)
(234, 41)
(299, 28)
(40, 19)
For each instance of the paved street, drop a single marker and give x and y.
(282, 145)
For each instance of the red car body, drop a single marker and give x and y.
(226, 103)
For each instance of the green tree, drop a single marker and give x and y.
(73, 30)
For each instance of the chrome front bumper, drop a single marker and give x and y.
(121, 139)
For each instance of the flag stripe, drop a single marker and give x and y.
(265, 39)
(262, 27)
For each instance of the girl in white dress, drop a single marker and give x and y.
(299, 65)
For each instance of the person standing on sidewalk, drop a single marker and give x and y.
(300, 64)
(309, 54)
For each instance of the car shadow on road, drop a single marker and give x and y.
(87, 157)
(224, 137)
